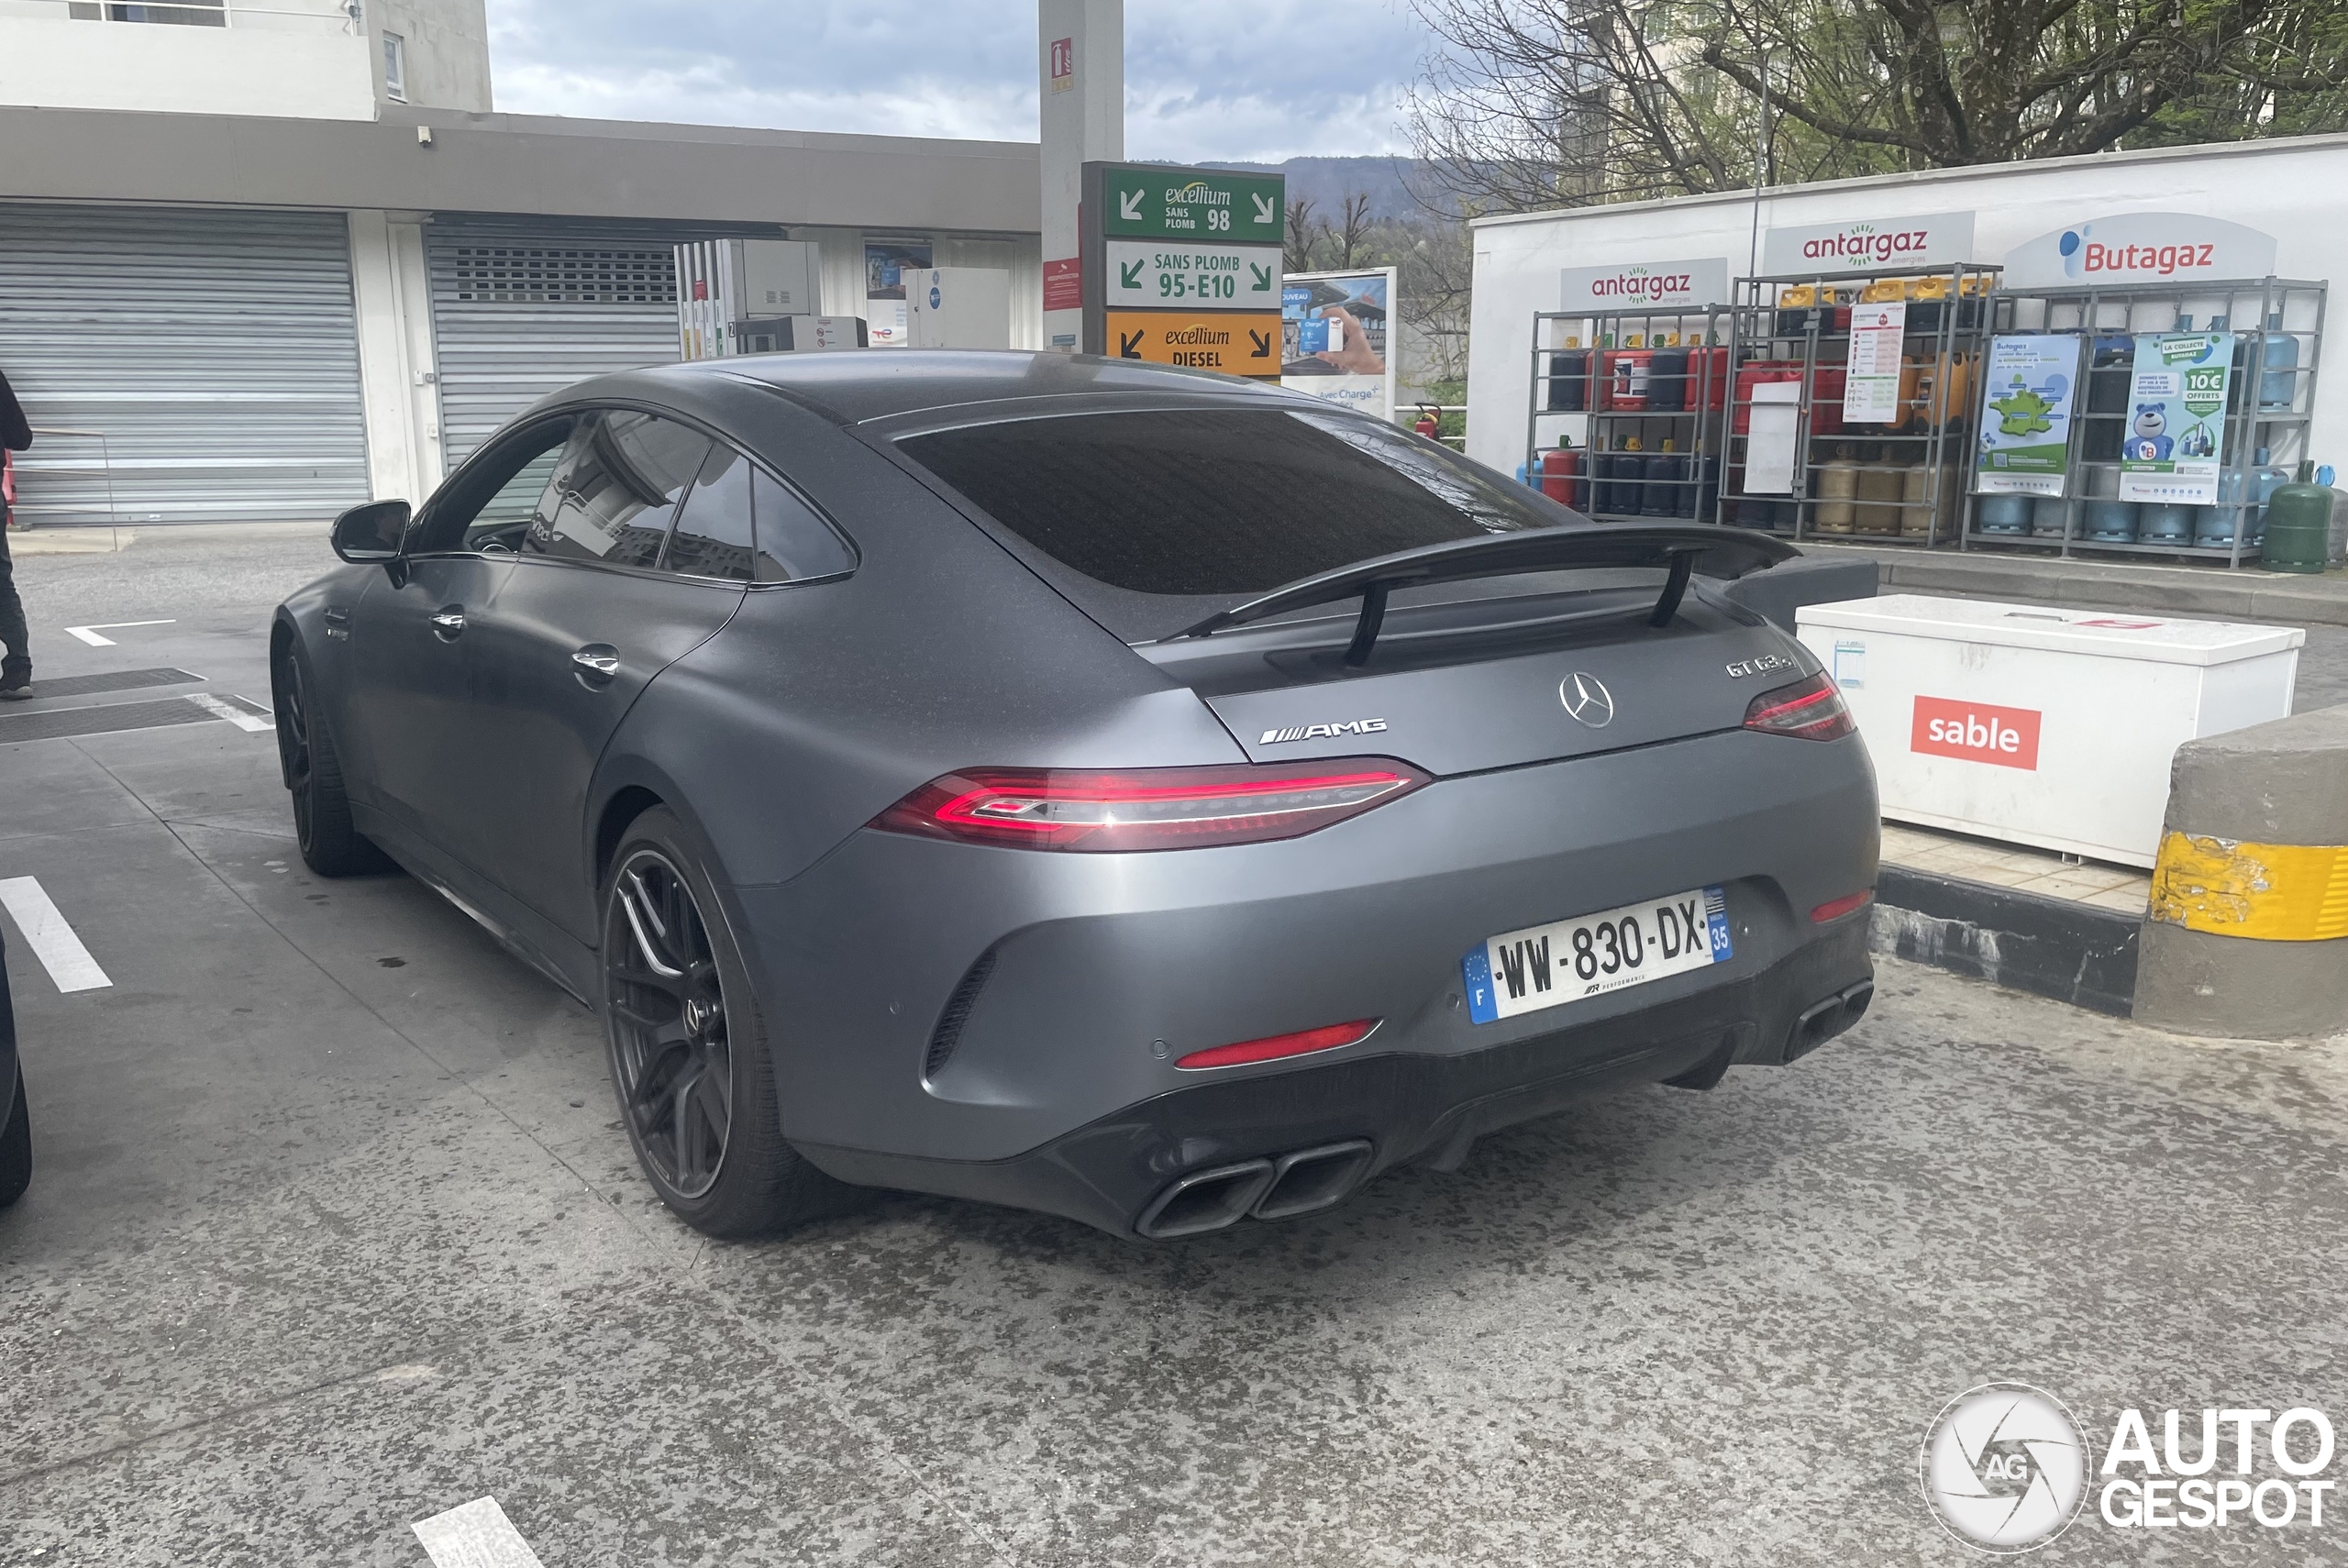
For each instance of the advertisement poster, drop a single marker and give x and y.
(1333, 338)
(2026, 390)
(887, 264)
(1871, 391)
(2177, 418)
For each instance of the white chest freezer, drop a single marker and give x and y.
(2038, 725)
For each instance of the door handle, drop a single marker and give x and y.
(596, 663)
(449, 621)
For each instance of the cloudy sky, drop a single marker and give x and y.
(1204, 78)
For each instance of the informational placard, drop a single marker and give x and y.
(1144, 272)
(2176, 413)
(887, 263)
(1776, 432)
(1333, 338)
(2027, 383)
(1236, 343)
(1200, 246)
(1871, 389)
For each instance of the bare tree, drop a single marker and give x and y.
(1548, 102)
(1302, 236)
(1348, 238)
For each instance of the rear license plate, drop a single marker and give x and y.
(1548, 965)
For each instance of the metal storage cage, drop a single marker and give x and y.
(1649, 386)
(1897, 481)
(2278, 329)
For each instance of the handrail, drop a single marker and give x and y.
(227, 11)
(105, 463)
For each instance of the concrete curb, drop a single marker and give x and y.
(2248, 594)
(2050, 948)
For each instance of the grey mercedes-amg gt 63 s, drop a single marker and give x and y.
(1117, 791)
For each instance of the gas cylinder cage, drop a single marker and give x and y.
(1624, 382)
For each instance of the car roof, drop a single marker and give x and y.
(857, 386)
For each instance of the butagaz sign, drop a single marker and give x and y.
(1639, 285)
(2140, 248)
(1929, 239)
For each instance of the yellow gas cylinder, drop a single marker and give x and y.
(1838, 483)
(1878, 494)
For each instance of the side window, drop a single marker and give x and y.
(489, 505)
(713, 532)
(793, 541)
(617, 488)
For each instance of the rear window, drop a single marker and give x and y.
(1219, 502)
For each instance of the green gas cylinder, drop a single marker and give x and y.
(2298, 525)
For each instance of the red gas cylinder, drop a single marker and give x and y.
(1428, 425)
(1624, 386)
(1559, 465)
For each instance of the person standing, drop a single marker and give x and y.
(16, 666)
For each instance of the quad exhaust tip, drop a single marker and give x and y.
(1822, 1021)
(1304, 1182)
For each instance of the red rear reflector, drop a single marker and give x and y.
(1838, 908)
(1303, 1043)
(1150, 808)
(1809, 710)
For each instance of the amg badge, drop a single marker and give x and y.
(1324, 732)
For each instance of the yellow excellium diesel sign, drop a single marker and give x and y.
(1236, 343)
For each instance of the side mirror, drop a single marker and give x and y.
(371, 534)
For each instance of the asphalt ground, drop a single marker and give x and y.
(333, 1228)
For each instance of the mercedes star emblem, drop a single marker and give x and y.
(1586, 699)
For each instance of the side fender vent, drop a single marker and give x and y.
(948, 1033)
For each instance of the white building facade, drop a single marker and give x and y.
(2291, 192)
(213, 315)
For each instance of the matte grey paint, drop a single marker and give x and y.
(777, 737)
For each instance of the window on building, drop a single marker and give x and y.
(185, 13)
(395, 67)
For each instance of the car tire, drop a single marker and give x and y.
(16, 1148)
(687, 1044)
(312, 768)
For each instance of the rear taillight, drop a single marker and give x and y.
(1272, 1047)
(1810, 710)
(1835, 909)
(1148, 808)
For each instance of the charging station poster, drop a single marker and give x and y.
(1333, 338)
(2026, 393)
(2175, 418)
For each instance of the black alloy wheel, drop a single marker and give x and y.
(691, 1063)
(672, 1053)
(312, 773)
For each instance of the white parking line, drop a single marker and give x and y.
(474, 1534)
(52, 941)
(251, 717)
(90, 634)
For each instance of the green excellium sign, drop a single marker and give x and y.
(1143, 202)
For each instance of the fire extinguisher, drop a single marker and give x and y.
(1559, 467)
(1428, 425)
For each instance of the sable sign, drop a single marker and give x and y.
(1237, 342)
(1182, 266)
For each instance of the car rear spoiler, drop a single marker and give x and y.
(1681, 548)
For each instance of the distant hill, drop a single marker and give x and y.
(1326, 181)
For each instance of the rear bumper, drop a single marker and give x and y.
(1124, 1171)
(958, 1019)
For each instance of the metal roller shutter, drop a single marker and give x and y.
(216, 351)
(523, 308)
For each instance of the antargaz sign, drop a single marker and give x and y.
(1161, 244)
